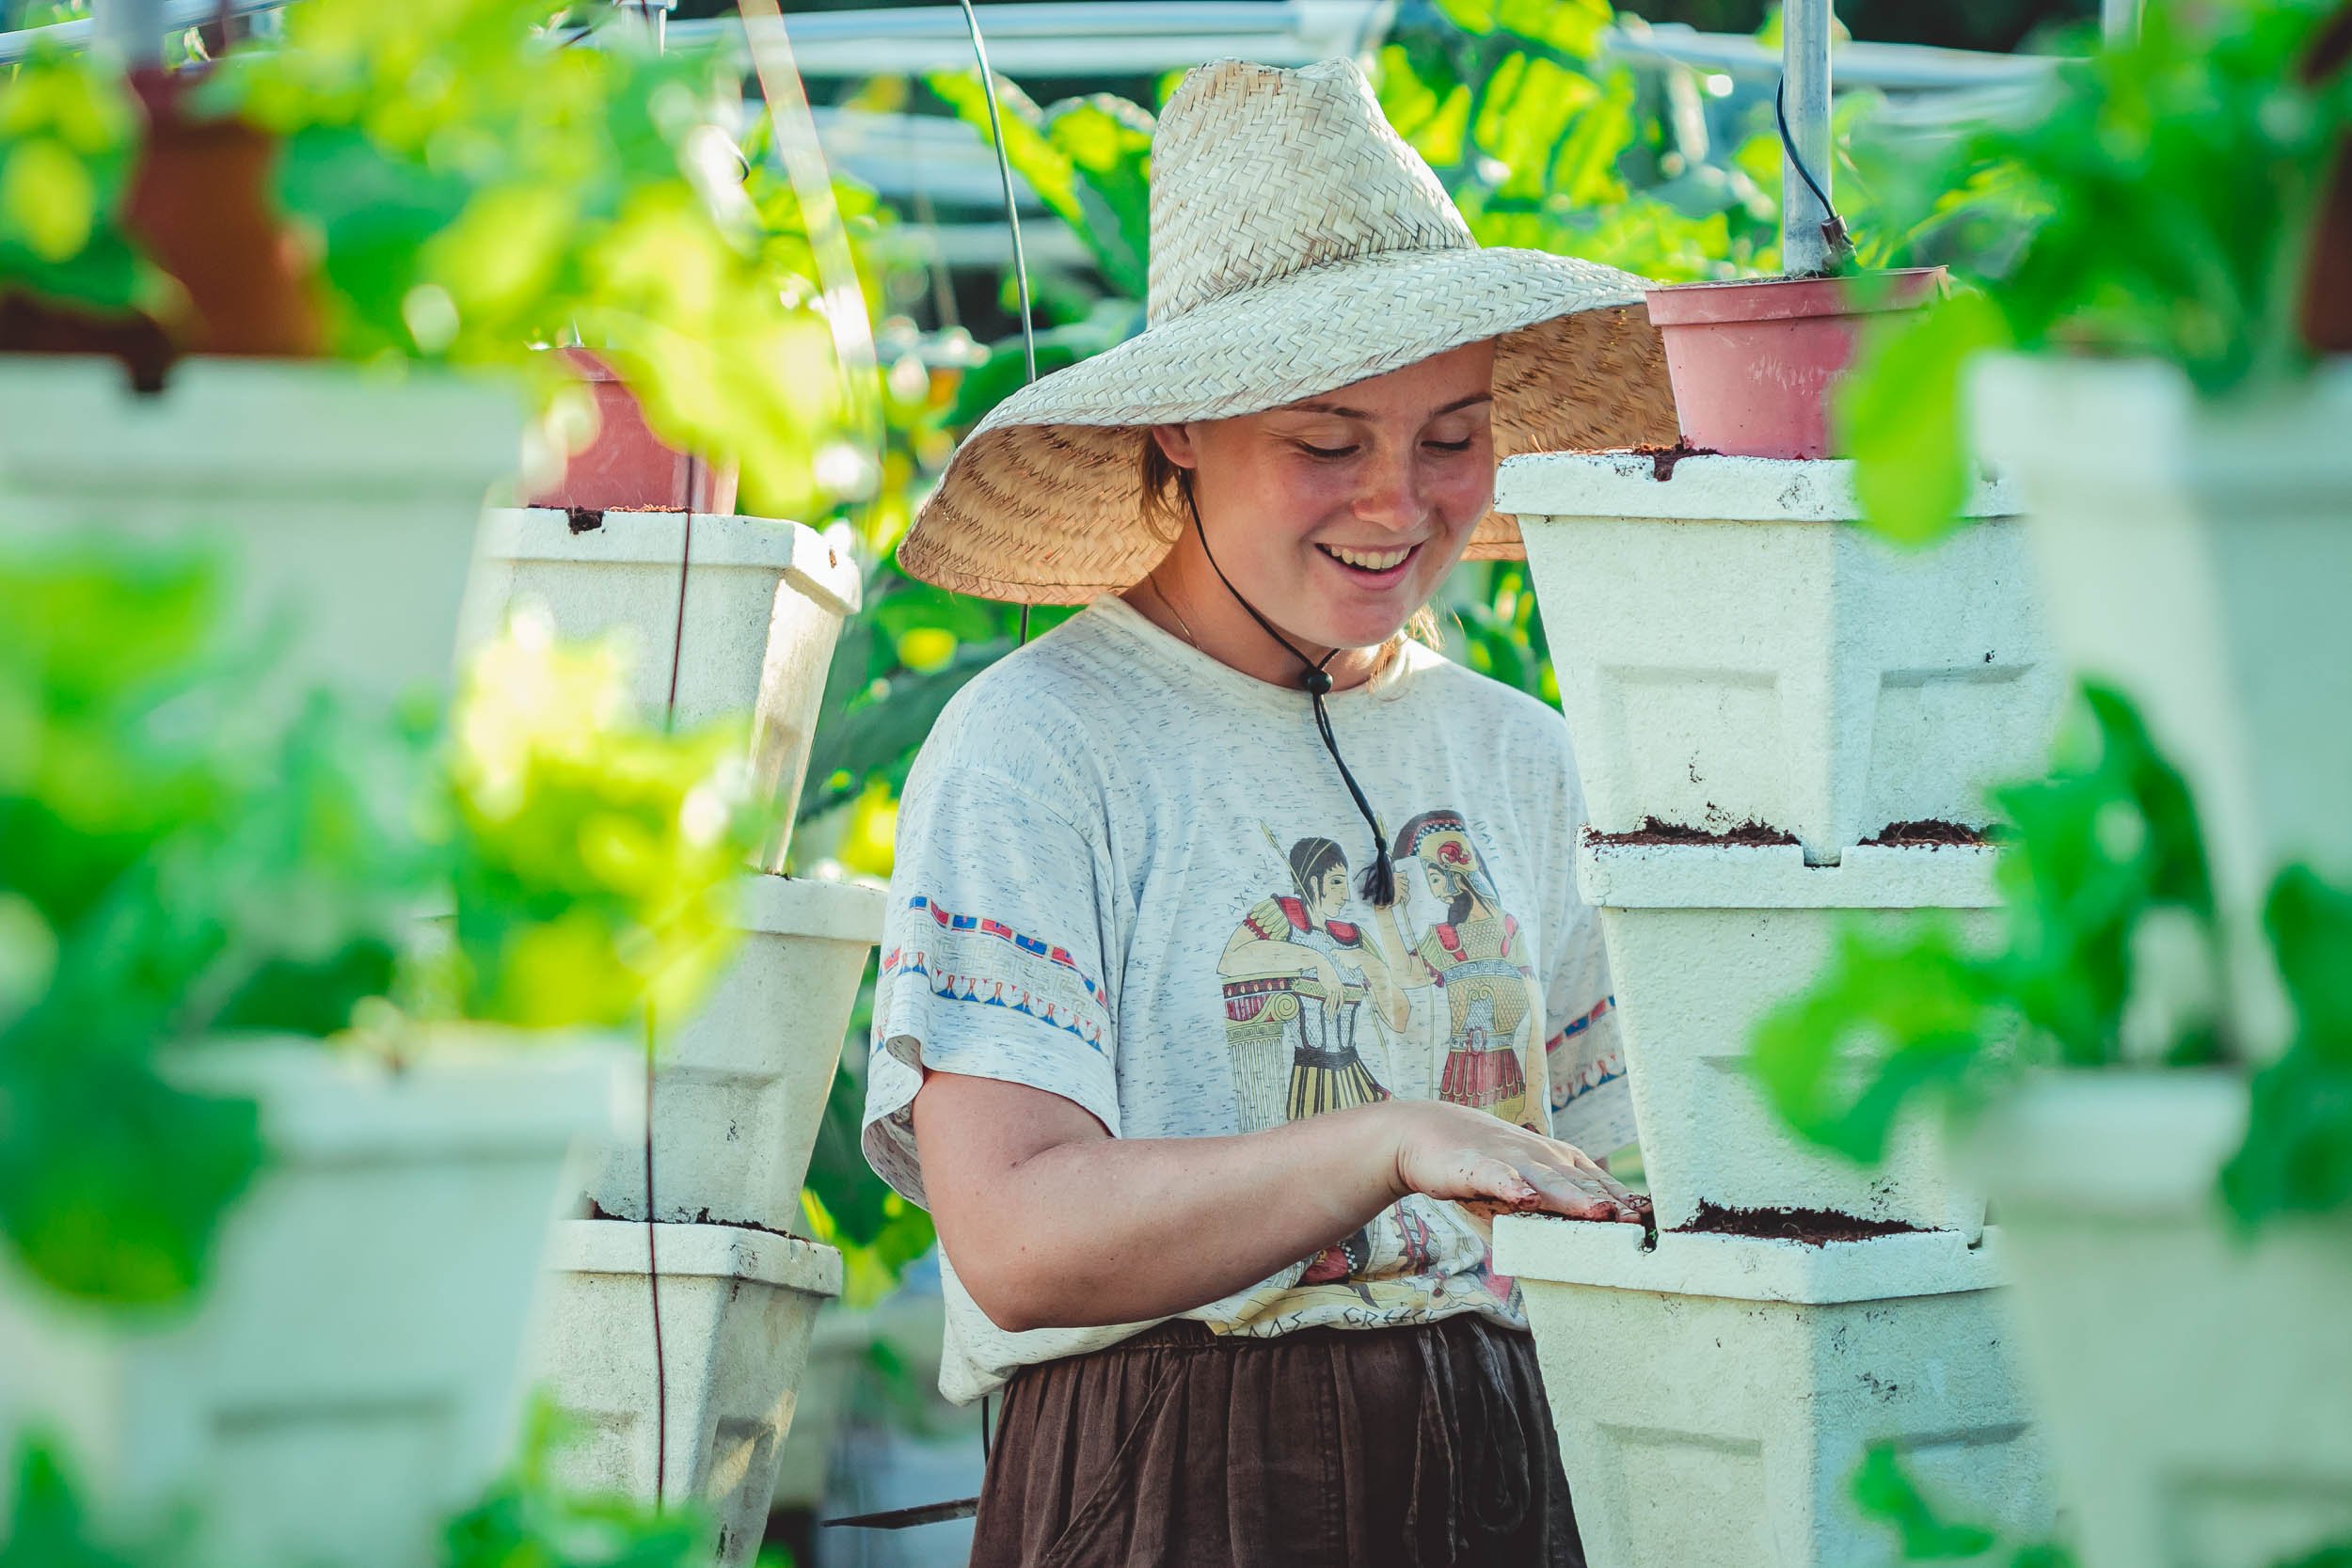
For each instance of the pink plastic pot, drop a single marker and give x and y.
(626, 467)
(1753, 361)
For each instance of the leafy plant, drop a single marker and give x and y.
(592, 859)
(2298, 1153)
(67, 132)
(1884, 1493)
(2109, 955)
(1545, 145)
(2105, 847)
(47, 1526)
(180, 869)
(2167, 192)
(526, 1520)
(468, 189)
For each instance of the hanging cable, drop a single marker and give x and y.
(1013, 220)
(1833, 226)
(1378, 884)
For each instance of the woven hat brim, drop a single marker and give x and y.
(1042, 503)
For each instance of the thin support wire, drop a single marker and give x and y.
(1012, 219)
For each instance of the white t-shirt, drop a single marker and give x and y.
(1127, 875)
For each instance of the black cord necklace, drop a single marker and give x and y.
(1378, 883)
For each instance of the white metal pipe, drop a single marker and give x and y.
(1805, 26)
(2119, 21)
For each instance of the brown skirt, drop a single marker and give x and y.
(1425, 1447)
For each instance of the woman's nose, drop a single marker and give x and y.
(1392, 497)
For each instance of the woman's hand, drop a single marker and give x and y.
(1467, 1156)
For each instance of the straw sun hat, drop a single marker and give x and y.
(1298, 246)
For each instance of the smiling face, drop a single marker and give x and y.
(1338, 515)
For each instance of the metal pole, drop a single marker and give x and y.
(1804, 74)
(2119, 21)
(132, 31)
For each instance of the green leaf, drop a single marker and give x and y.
(48, 197)
(1884, 1493)
(47, 1526)
(1108, 143)
(2297, 1154)
(1901, 415)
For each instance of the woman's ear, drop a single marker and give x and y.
(1175, 444)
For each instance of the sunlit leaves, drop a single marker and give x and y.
(66, 129)
(1087, 159)
(1902, 414)
(597, 856)
(474, 190)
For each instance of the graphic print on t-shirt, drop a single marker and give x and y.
(1319, 1017)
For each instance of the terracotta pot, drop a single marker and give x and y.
(1753, 361)
(626, 467)
(200, 206)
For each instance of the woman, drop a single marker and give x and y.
(1253, 496)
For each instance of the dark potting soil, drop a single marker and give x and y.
(1926, 834)
(1805, 1226)
(700, 1216)
(1654, 831)
(583, 519)
(1663, 459)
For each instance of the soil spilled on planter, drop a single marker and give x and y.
(1654, 831)
(583, 519)
(1804, 1226)
(1925, 834)
(1663, 459)
(700, 1216)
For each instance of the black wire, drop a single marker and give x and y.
(1378, 883)
(1780, 117)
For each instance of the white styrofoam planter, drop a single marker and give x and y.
(349, 1376)
(763, 603)
(1705, 939)
(1730, 649)
(736, 1309)
(741, 1085)
(347, 501)
(1714, 1395)
(2197, 555)
(2197, 1382)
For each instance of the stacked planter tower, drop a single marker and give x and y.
(1783, 725)
(1780, 721)
(687, 1220)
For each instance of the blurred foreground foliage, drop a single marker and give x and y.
(2109, 955)
(189, 861)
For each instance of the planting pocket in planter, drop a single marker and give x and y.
(738, 1307)
(727, 615)
(1732, 652)
(347, 504)
(2196, 1381)
(350, 1375)
(741, 1085)
(1714, 1394)
(1704, 941)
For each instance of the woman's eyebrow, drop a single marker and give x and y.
(1339, 411)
